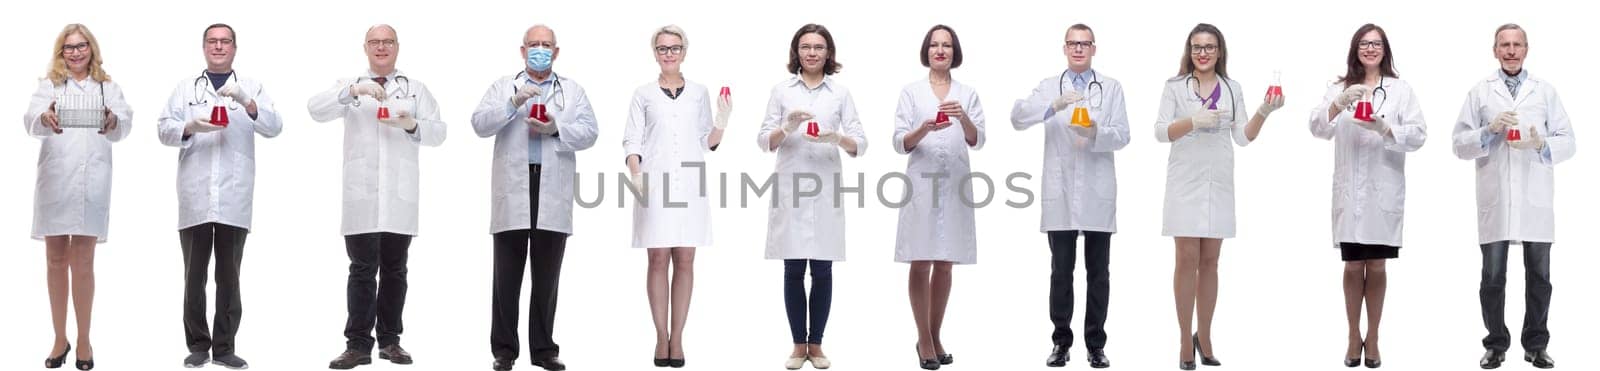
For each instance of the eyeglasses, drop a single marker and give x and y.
(224, 42)
(674, 50)
(1204, 49)
(808, 48)
(385, 42)
(1370, 44)
(75, 48)
(1080, 44)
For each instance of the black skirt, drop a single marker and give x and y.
(1357, 252)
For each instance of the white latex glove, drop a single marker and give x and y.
(200, 125)
(1351, 95)
(1086, 132)
(1272, 103)
(724, 109)
(1503, 121)
(1531, 140)
(829, 137)
(1067, 99)
(1206, 119)
(232, 90)
(370, 89)
(400, 119)
(541, 127)
(637, 179)
(794, 119)
(525, 93)
(1377, 125)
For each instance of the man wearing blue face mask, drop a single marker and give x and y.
(539, 121)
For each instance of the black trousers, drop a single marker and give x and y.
(1063, 259)
(514, 250)
(371, 302)
(199, 243)
(1492, 295)
(795, 303)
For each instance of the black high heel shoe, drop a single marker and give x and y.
(85, 365)
(926, 364)
(57, 361)
(663, 362)
(1204, 360)
(1371, 363)
(1353, 362)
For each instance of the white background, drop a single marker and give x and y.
(1280, 303)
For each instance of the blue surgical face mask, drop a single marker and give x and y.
(539, 59)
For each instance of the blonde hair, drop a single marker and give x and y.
(58, 62)
(670, 29)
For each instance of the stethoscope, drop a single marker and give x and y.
(1377, 91)
(554, 80)
(200, 98)
(1222, 82)
(1094, 82)
(402, 93)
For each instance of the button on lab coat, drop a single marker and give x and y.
(811, 227)
(1369, 169)
(72, 194)
(380, 161)
(216, 170)
(1080, 174)
(1516, 188)
(666, 133)
(569, 107)
(1199, 196)
(938, 223)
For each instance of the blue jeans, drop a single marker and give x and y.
(794, 298)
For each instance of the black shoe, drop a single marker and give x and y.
(504, 364)
(1540, 359)
(663, 362)
(1186, 366)
(1097, 358)
(58, 360)
(946, 358)
(676, 363)
(85, 365)
(1204, 359)
(1374, 363)
(350, 359)
(231, 361)
(394, 353)
(1492, 359)
(552, 364)
(926, 364)
(196, 360)
(1353, 362)
(1058, 356)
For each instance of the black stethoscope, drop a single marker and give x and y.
(1232, 103)
(200, 82)
(1379, 90)
(1094, 82)
(554, 80)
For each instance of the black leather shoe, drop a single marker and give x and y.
(1540, 359)
(85, 365)
(662, 362)
(58, 360)
(504, 364)
(394, 353)
(196, 360)
(1058, 356)
(230, 361)
(350, 359)
(1492, 359)
(1097, 358)
(1204, 359)
(1186, 366)
(926, 364)
(946, 358)
(676, 363)
(551, 364)
(1374, 363)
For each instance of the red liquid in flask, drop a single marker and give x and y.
(812, 130)
(1274, 91)
(725, 92)
(219, 116)
(1514, 134)
(383, 113)
(1363, 111)
(941, 117)
(537, 112)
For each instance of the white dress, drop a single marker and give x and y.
(666, 133)
(937, 223)
(1199, 196)
(810, 227)
(72, 195)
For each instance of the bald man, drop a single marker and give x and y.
(387, 116)
(539, 121)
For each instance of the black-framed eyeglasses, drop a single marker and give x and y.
(223, 41)
(1204, 49)
(385, 42)
(674, 50)
(1370, 44)
(1080, 44)
(75, 48)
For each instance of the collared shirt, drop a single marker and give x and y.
(1080, 82)
(535, 146)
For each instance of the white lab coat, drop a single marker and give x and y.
(1199, 196)
(1080, 174)
(809, 227)
(1516, 188)
(937, 223)
(216, 170)
(1369, 169)
(510, 207)
(72, 194)
(666, 133)
(380, 161)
